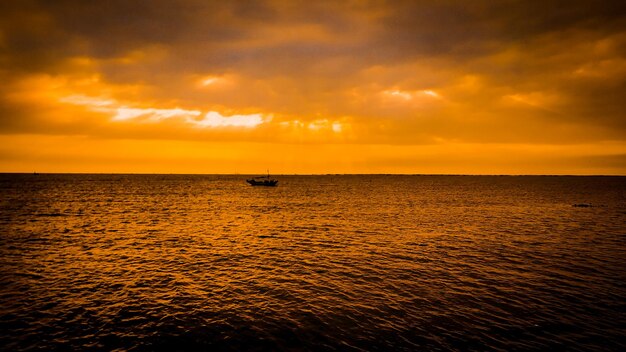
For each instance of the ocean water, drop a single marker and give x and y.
(319, 263)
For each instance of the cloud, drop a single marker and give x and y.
(373, 72)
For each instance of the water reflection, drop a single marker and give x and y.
(319, 263)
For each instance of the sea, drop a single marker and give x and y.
(98, 262)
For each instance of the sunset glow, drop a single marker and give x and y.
(322, 87)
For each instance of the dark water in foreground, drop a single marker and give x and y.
(179, 262)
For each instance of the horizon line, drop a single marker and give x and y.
(299, 174)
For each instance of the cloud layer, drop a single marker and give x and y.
(397, 73)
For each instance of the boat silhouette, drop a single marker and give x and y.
(262, 181)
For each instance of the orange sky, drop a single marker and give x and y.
(194, 86)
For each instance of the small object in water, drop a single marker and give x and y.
(582, 205)
(257, 182)
(262, 181)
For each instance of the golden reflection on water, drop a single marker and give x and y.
(320, 262)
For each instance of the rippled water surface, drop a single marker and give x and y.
(181, 262)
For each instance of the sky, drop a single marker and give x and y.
(196, 86)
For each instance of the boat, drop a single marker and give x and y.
(262, 181)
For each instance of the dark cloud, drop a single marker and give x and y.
(399, 29)
(311, 58)
(615, 162)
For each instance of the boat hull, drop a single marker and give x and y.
(267, 183)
